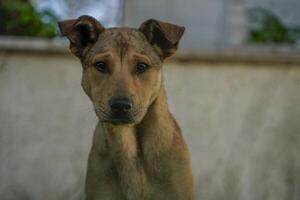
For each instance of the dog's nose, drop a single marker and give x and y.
(120, 105)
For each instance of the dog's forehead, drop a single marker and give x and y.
(123, 34)
(124, 38)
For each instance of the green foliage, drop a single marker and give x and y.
(266, 27)
(18, 17)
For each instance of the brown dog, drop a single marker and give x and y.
(138, 151)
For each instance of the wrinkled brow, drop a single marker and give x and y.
(102, 55)
(121, 41)
(141, 57)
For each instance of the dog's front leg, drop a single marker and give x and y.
(123, 145)
(115, 170)
(101, 182)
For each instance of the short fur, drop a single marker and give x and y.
(147, 158)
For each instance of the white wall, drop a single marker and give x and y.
(241, 122)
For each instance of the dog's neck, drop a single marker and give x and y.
(132, 148)
(155, 131)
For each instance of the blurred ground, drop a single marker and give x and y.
(240, 119)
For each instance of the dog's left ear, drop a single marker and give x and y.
(164, 37)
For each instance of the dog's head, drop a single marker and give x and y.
(121, 66)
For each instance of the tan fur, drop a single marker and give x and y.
(148, 158)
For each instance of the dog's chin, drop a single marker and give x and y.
(119, 121)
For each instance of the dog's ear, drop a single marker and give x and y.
(164, 37)
(82, 33)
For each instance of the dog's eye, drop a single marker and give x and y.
(101, 66)
(141, 68)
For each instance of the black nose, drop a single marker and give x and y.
(120, 105)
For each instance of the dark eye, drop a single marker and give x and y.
(141, 68)
(101, 66)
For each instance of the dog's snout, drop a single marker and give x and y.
(120, 105)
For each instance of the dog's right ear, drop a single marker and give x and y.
(82, 33)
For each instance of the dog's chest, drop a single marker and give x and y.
(132, 169)
(138, 180)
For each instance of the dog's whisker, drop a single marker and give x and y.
(102, 112)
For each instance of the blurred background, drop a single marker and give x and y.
(233, 86)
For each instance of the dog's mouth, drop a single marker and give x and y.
(116, 118)
(120, 120)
